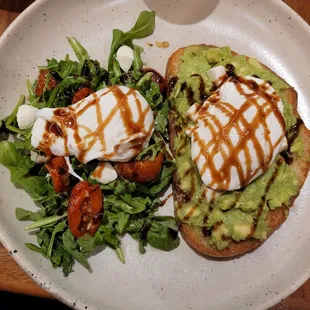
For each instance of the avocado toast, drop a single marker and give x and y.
(222, 220)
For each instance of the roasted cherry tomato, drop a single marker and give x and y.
(42, 80)
(141, 171)
(59, 171)
(158, 78)
(81, 94)
(85, 209)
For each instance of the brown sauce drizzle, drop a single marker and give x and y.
(202, 87)
(190, 95)
(172, 82)
(51, 132)
(261, 205)
(294, 131)
(67, 118)
(183, 86)
(163, 202)
(206, 232)
(190, 212)
(185, 196)
(98, 171)
(292, 134)
(158, 78)
(246, 132)
(230, 70)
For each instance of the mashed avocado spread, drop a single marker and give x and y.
(234, 215)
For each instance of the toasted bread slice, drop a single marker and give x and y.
(274, 219)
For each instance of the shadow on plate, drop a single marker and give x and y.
(180, 12)
(9, 301)
(15, 6)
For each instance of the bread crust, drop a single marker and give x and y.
(275, 218)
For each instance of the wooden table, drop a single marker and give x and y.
(14, 279)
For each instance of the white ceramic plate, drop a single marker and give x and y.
(267, 30)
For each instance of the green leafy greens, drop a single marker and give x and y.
(143, 27)
(129, 208)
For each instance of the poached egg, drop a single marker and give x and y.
(112, 124)
(237, 133)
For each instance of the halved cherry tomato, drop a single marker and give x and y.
(141, 171)
(81, 94)
(59, 171)
(85, 209)
(158, 78)
(42, 80)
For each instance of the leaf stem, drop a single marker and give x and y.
(15, 129)
(53, 96)
(11, 118)
(46, 221)
(120, 254)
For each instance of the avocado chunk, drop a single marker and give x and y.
(226, 201)
(252, 195)
(285, 186)
(214, 55)
(297, 147)
(220, 237)
(262, 230)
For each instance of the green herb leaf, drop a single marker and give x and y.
(67, 261)
(119, 186)
(19, 167)
(128, 204)
(117, 41)
(58, 228)
(123, 219)
(9, 156)
(34, 248)
(137, 62)
(70, 246)
(161, 119)
(89, 243)
(79, 50)
(67, 68)
(56, 258)
(151, 151)
(26, 215)
(53, 96)
(32, 95)
(46, 221)
(162, 237)
(51, 64)
(168, 221)
(120, 254)
(11, 118)
(143, 27)
(142, 245)
(116, 69)
(165, 179)
(150, 90)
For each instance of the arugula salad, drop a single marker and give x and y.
(88, 195)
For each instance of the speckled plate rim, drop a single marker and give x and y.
(27, 266)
